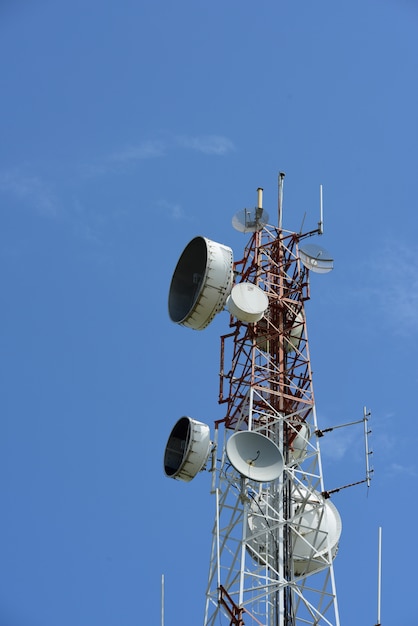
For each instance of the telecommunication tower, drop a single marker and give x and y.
(276, 531)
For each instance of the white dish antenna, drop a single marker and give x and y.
(255, 456)
(247, 302)
(316, 258)
(201, 283)
(187, 449)
(250, 220)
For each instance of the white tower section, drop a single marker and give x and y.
(276, 532)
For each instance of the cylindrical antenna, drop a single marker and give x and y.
(379, 575)
(260, 197)
(162, 600)
(321, 212)
(259, 209)
(281, 180)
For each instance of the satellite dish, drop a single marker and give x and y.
(250, 220)
(247, 302)
(255, 456)
(201, 283)
(187, 449)
(316, 258)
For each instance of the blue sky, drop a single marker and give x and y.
(126, 130)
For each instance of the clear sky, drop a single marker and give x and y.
(126, 129)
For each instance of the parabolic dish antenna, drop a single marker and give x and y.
(250, 220)
(247, 302)
(201, 283)
(187, 449)
(255, 456)
(316, 258)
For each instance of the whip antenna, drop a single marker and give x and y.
(321, 213)
(379, 575)
(281, 181)
(162, 600)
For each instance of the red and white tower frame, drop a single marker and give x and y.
(275, 533)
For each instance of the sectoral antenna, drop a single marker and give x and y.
(367, 451)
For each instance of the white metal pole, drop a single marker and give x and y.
(281, 179)
(321, 212)
(243, 543)
(162, 600)
(250, 409)
(218, 552)
(379, 575)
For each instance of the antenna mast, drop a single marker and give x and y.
(275, 532)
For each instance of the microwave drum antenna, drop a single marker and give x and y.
(187, 449)
(247, 302)
(317, 530)
(201, 283)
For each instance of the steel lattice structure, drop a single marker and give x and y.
(273, 543)
(276, 532)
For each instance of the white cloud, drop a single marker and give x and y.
(172, 210)
(335, 444)
(215, 145)
(145, 150)
(398, 288)
(389, 285)
(207, 144)
(404, 470)
(34, 191)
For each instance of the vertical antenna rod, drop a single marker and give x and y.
(162, 600)
(281, 180)
(321, 213)
(259, 209)
(260, 197)
(379, 576)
